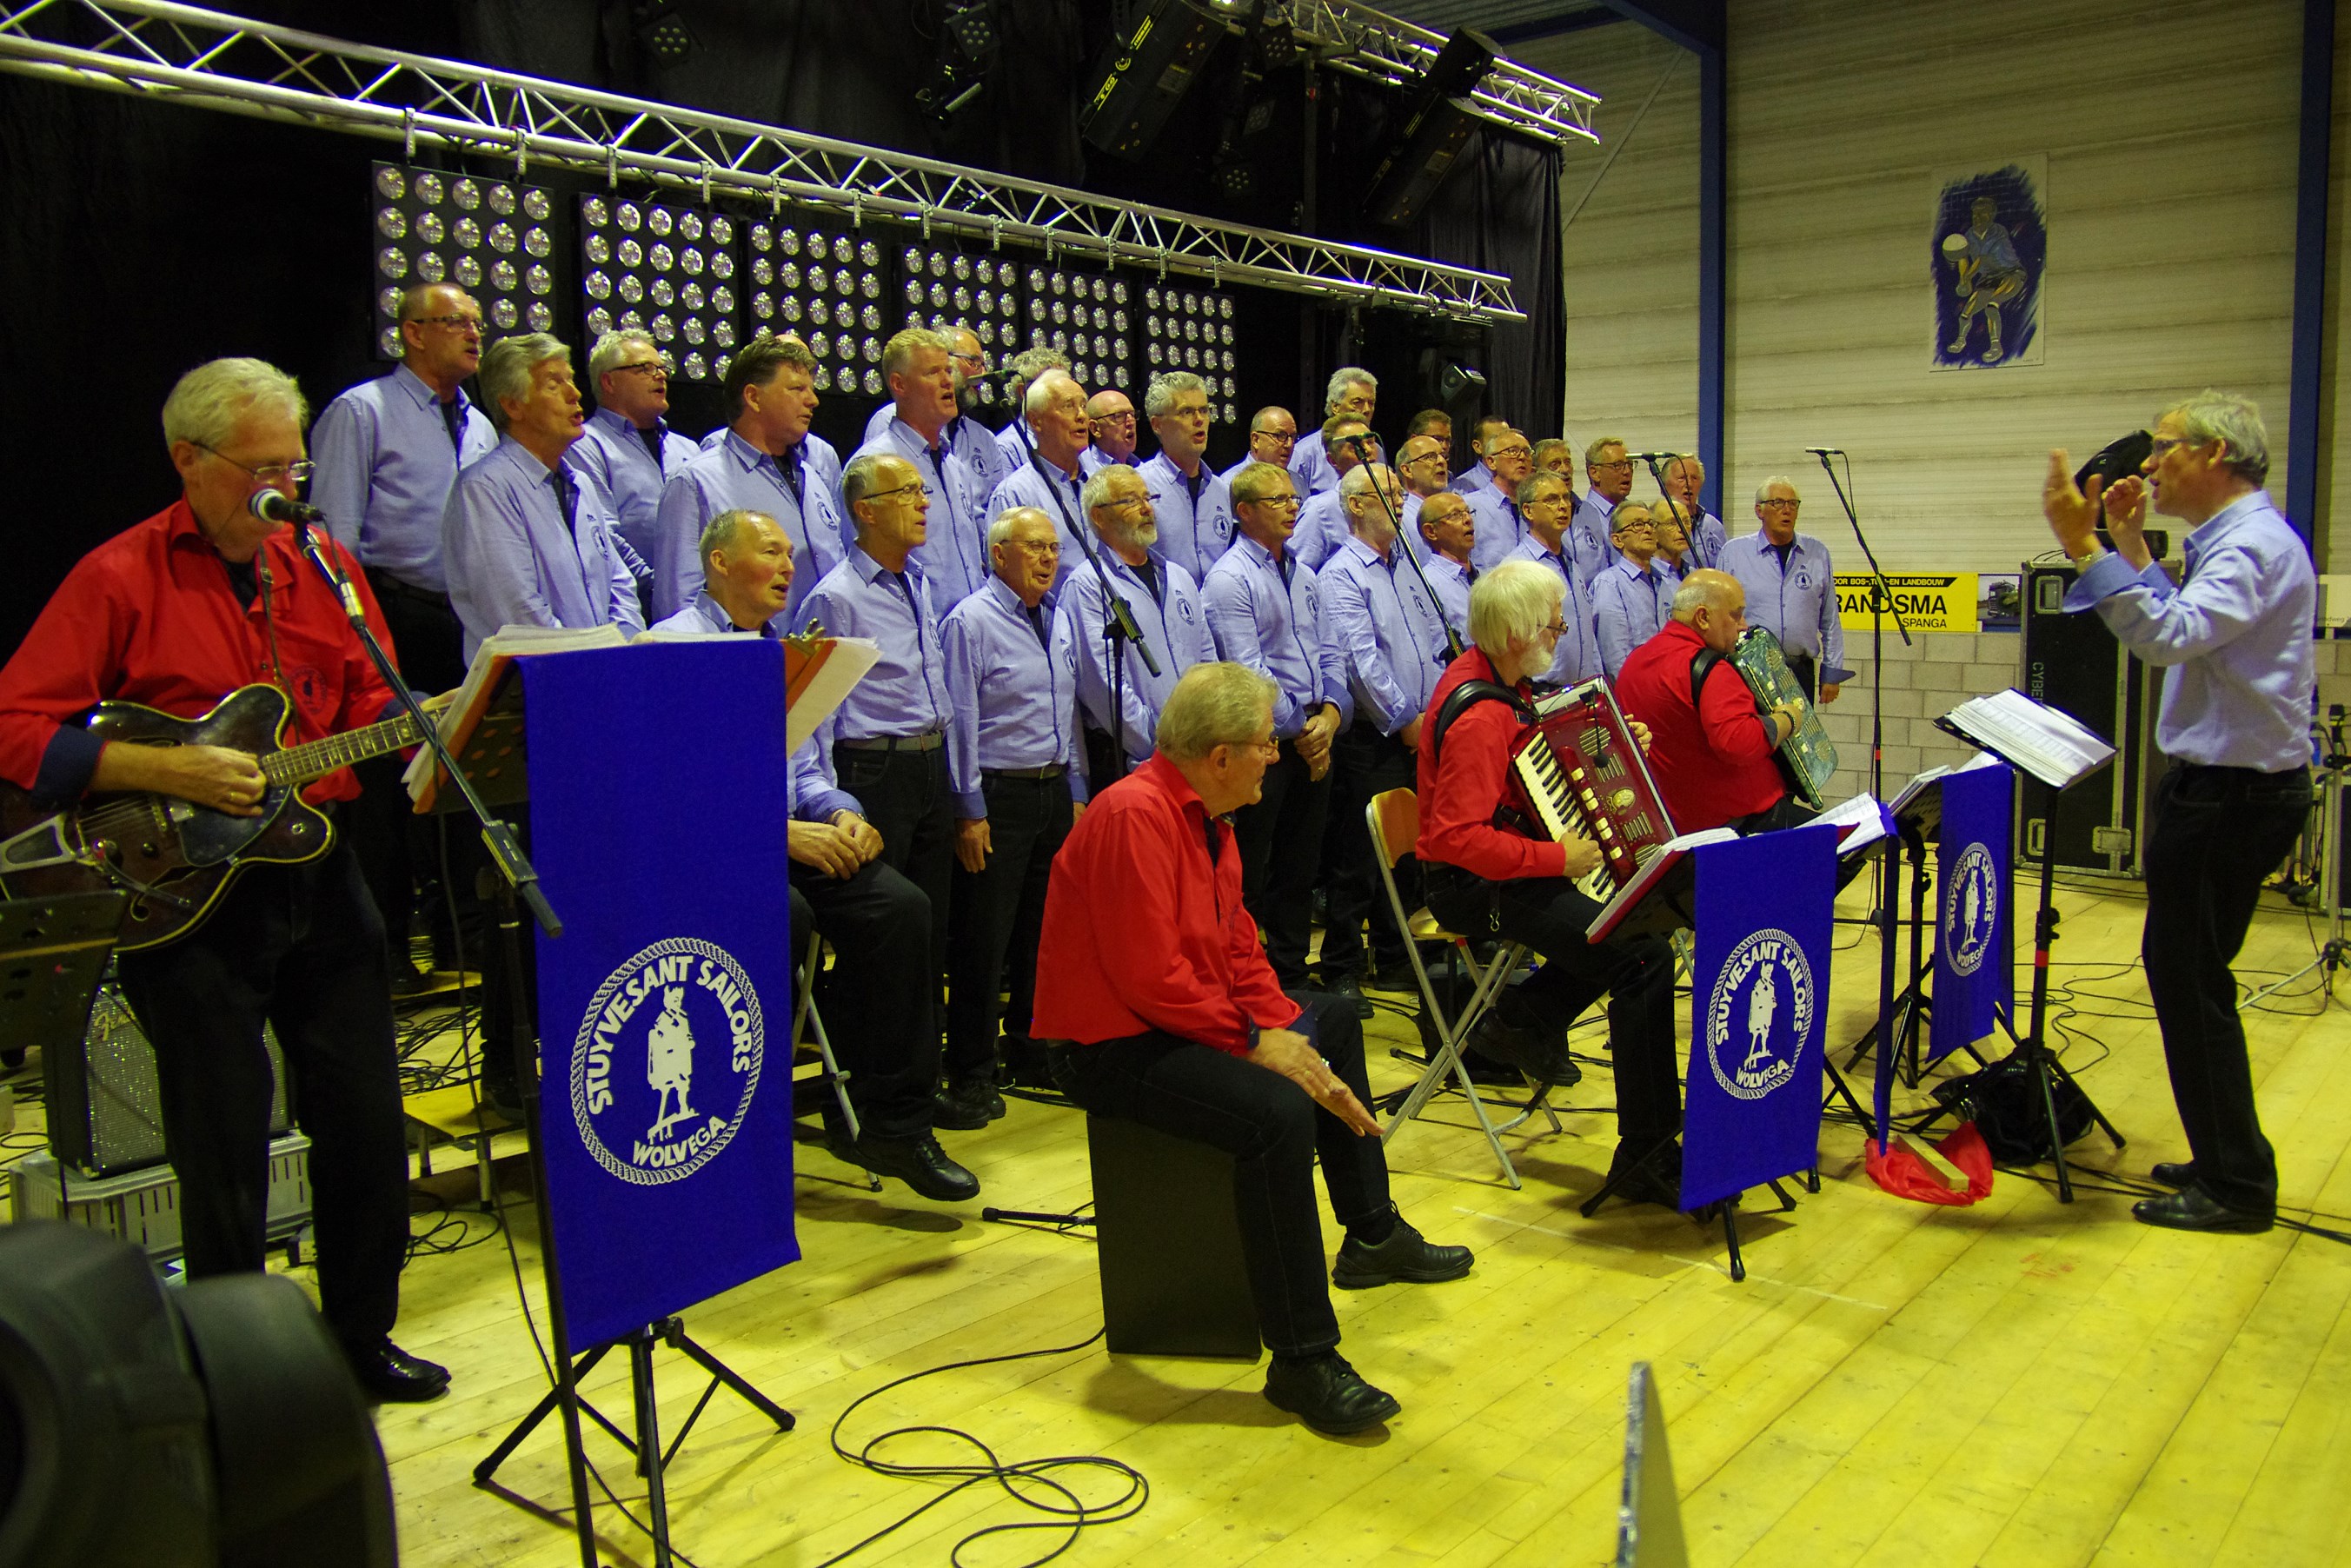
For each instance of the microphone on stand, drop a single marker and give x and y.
(273, 506)
(1826, 451)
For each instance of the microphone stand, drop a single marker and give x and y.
(517, 881)
(1881, 600)
(1118, 622)
(1453, 649)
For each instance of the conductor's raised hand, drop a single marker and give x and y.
(2073, 513)
(2127, 520)
(1293, 1056)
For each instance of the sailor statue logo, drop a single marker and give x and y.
(666, 1061)
(1759, 1014)
(1970, 910)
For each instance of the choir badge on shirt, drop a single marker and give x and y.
(667, 1061)
(1759, 982)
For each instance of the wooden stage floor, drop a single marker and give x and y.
(2018, 1382)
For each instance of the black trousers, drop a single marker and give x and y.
(397, 849)
(301, 948)
(1550, 915)
(1274, 1132)
(2217, 833)
(883, 1027)
(1363, 762)
(904, 795)
(998, 915)
(1280, 841)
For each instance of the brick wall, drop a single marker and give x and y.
(1923, 681)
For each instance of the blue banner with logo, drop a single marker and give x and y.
(1975, 957)
(665, 1098)
(1758, 1010)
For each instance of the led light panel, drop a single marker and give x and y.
(1086, 314)
(825, 286)
(493, 239)
(1192, 330)
(671, 271)
(942, 287)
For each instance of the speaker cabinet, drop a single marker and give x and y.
(2073, 663)
(105, 1111)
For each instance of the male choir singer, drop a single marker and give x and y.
(1164, 1011)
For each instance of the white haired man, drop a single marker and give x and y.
(175, 613)
(1164, 605)
(1164, 1011)
(2234, 641)
(1790, 588)
(1049, 476)
(1485, 882)
(1191, 501)
(1352, 390)
(1684, 477)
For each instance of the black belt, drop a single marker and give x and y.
(929, 741)
(1049, 771)
(384, 582)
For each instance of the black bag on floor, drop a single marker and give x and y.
(2006, 1109)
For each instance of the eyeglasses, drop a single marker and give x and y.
(1037, 547)
(1124, 503)
(1558, 627)
(1623, 464)
(643, 368)
(455, 323)
(1126, 419)
(268, 473)
(1520, 450)
(2164, 443)
(1279, 437)
(914, 489)
(1776, 504)
(1424, 457)
(1280, 502)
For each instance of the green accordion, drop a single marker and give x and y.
(1806, 757)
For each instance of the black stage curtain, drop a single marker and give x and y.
(1500, 213)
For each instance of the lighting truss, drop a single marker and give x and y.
(1351, 36)
(224, 62)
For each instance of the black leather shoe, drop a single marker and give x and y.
(955, 1114)
(1350, 987)
(919, 1162)
(2176, 1174)
(2194, 1209)
(1326, 1394)
(1524, 1050)
(1484, 1071)
(1654, 1177)
(1405, 1255)
(391, 1374)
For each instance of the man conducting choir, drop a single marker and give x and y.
(1484, 881)
(2234, 641)
(1019, 778)
(1265, 611)
(883, 1029)
(175, 613)
(1164, 1011)
(1713, 756)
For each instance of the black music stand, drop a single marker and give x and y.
(494, 766)
(52, 954)
(2046, 1069)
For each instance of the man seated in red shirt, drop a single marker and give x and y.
(175, 613)
(1714, 756)
(1154, 991)
(1486, 882)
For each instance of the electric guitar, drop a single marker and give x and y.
(174, 857)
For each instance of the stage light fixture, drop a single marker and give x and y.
(493, 239)
(1145, 72)
(946, 287)
(668, 270)
(662, 32)
(1438, 121)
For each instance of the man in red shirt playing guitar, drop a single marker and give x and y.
(175, 614)
(1485, 881)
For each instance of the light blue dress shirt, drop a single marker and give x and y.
(809, 795)
(1093, 460)
(1191, 534)
(1594, 516)
(964, 434)
(1479, 477)
(610, 452)
(1797, 604)
(1578, 654)
(1390, 631)
(1010, 441)
(512, 562)
(1015, 699)
(1056, 495)
(1311, 465)
(1450, 579)
(386, 466)
(1499, 527)
(1629, 605)
(1321, 529)
(732, 473)
(1271, 619)
(905, 693)
(1706, 538)
(1171, 623)
(954, 552)
(2233, 640)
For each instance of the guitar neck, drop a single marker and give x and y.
(301, 764)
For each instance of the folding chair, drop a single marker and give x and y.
(830, 1072)
(1393, 819)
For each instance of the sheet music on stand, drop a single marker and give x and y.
(2054, 748)
(483, 718)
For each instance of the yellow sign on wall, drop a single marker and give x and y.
(1929, 602)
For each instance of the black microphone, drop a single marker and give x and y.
(1826, 451)
(273, 506)
(1653, 457)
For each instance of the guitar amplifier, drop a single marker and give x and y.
(105, 1110)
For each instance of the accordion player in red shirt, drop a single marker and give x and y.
(1489, 880)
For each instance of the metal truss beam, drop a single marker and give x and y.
(1383, 49)
(184, 54)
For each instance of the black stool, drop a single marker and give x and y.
(1173, 1280)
